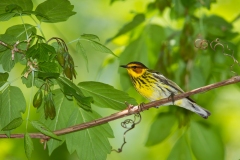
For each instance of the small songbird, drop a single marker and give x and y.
(154, 86)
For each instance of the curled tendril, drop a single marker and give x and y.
(128, 124)
(203, 44)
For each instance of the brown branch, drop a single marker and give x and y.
(13, 48)
(127, 112)
(6, 45)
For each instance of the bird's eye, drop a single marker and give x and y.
(134, 67)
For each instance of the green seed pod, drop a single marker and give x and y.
(68, 72)
(46, 107)
(52, 111)
(60, 59)
(37, 100)
(49, 107)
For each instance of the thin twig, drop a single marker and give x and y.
(12, 48)
(127, 112)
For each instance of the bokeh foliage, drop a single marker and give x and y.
(162, 36)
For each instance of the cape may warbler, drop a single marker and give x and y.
(155, 86)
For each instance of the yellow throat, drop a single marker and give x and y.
(135, 69)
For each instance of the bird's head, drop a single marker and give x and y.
(135, 69)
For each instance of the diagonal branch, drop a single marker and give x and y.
(128, 111)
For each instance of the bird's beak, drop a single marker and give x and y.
(124, 66)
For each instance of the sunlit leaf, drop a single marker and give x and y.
(55, 11)
(161, 128)
(28, 145)
(44, 129)
(91, 143)
(105, 95)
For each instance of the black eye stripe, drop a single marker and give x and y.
(134, 67)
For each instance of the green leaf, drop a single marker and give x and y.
(161, 128)
(40, 51)
(28, 81)
(105, 95)
(137, 20)
(24, 4)
(6, 61)
(217, 26)
(12, 104)
(205, 142)
(19, 31)
(34, 13)
(100, 47)
(90, 36)
(13, 124)
(45, 130)
(4, 77)
(180, 150)
(28, 145)
(64, 109)
(8, 39)
(13, 8)
(55, 11)
(188, 3)
(70, 89)
(6, 16)
(43, 75)
(48, 67)
(91, 143)
(81, 50)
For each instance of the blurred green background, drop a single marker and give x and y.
(171, 55)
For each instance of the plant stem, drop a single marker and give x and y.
(30, 101)
(73, 41)
(38, 26)
(24, 26)
(129, 111)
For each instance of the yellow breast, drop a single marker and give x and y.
(152, 90)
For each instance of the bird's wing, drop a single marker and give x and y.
(167, 81)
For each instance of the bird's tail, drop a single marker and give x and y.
(192, 106)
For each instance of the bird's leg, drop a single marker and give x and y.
(140, 107)
(172, 97)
